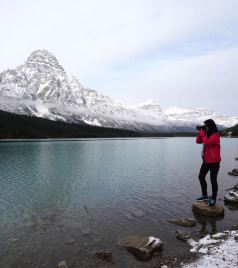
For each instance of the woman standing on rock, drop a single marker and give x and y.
(209, 136)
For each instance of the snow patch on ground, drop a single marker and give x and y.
(219, 250)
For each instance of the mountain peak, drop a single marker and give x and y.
(43, 56)
(42, 88)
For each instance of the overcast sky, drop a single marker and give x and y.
(178, 53)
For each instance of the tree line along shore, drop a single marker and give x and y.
(15, 126)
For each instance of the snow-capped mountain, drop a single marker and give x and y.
(199, 115)
(41, 87)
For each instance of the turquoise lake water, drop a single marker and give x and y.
(65, 199)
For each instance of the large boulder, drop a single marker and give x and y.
(141, 247)
(234, 172)
(187, 222)
(232, 197)
(204, 209)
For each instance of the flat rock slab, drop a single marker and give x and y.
(204, 209)
(141, 247)
(187, 222)
(234, 172)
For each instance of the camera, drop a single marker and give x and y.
(200, 127)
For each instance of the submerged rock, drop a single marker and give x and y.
(141, 247)
(69, 242)
(182, 235)
(104, 255)
(231, 197)
(189, 222)
(234, 172)
(136, 212)
(236, 186)
(129, 216)
(204, 209)
(232, 206)
(234, 227)
(167, 261)
(85, 230)
(62, 264)
(236, 158)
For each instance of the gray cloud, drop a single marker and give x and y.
(116, 47)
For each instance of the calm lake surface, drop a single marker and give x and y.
(62, 200)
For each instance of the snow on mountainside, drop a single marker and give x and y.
(41, 87)
(199, 115)
(149, 107)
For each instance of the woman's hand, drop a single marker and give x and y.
(202, 133)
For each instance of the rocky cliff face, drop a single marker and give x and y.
(41, 87)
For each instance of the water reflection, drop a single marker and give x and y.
(208, 224)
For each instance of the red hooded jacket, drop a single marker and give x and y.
(212, 147)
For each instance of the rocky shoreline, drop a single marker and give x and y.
(218, 250)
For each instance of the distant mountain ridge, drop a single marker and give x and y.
(42, 88)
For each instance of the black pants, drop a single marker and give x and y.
(214, 168)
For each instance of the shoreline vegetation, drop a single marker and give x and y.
(230, 132)
(14, 126)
